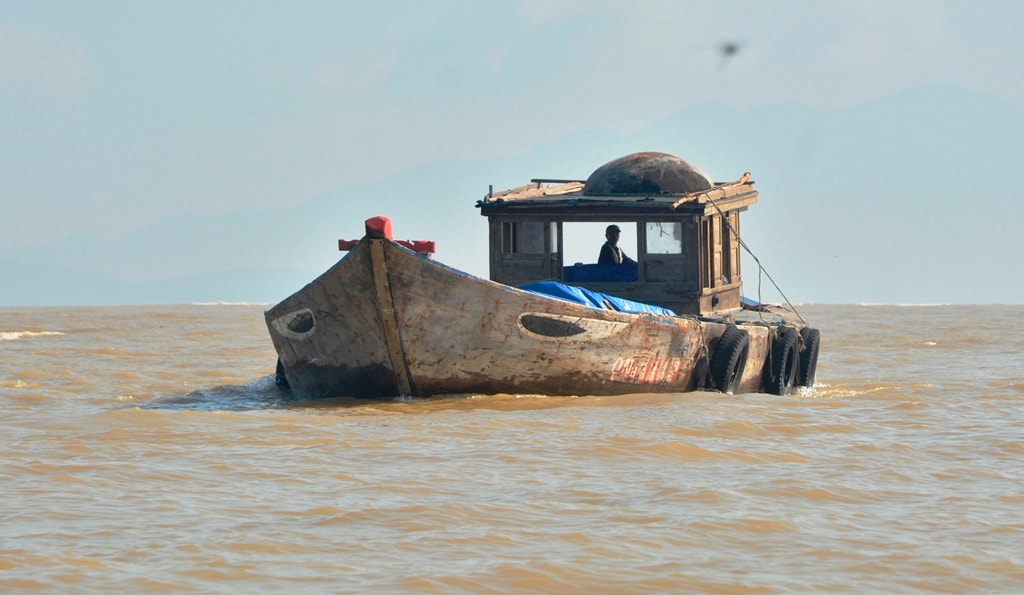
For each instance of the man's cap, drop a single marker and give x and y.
(612, 228)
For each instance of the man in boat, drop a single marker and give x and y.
(610, 252)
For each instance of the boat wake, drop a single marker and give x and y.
(260, 393)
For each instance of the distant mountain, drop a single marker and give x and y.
(907, 199)
(44, 285)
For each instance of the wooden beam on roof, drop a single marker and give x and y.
(535, 190)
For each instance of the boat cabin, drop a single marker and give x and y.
(686, 256)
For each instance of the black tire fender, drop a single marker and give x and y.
(729, 360)
(811, 344)
(782, 366)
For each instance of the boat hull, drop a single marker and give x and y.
(386, 321)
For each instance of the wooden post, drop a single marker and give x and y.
(386, 306)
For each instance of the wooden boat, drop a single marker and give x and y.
(388, 320)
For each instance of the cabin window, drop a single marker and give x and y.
(582, 240)
(664, 237)
(525, 237)
(721, 262)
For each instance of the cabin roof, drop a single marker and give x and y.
(566, 199)
(640, 184)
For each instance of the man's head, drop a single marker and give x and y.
(612, 233)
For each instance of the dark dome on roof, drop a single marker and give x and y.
(647, 173)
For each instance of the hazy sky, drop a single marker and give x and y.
(115, 114)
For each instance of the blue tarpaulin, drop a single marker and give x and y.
(581, 295)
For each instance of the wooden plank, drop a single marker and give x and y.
(386, 305)
(666, 267)
(730, 204)
(535, 190)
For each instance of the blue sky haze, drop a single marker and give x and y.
(145, 144)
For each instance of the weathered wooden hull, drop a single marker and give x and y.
(385, 321)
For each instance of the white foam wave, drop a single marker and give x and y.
(902, 305)
(229, 304)
(15, 335)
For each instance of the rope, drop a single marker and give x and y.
(760, 267)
